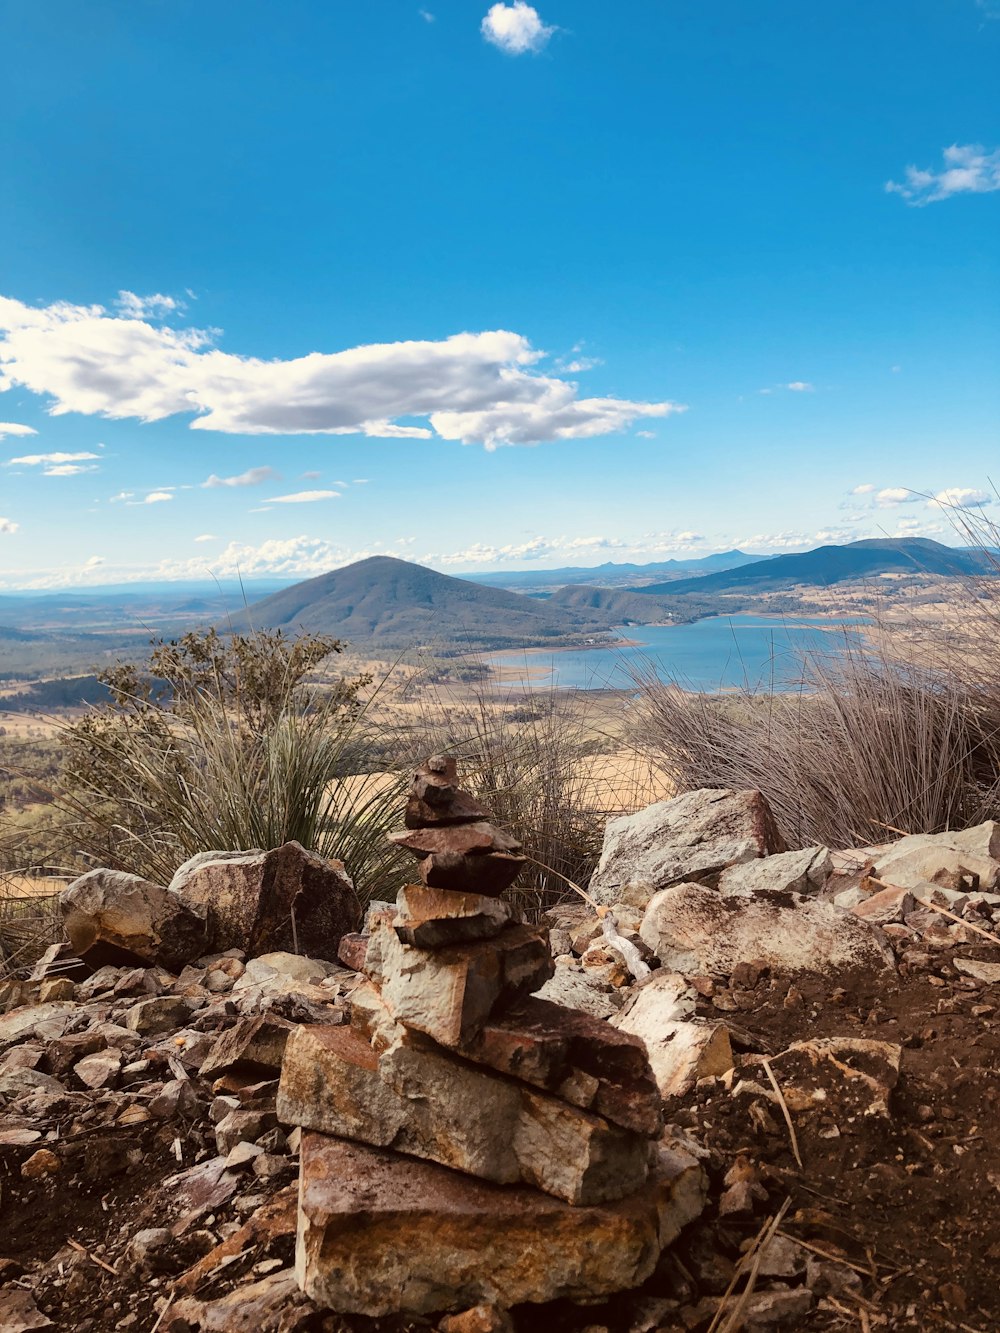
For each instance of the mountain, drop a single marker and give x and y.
(611, 574)
(387, 603)
(834, 564)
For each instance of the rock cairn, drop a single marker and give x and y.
(451, 1059)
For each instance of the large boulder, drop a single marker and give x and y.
(697, 932)
(287, 899)
(112, 918)
(381, 1235)
(692, 837)
(806, 871)
(966, 859)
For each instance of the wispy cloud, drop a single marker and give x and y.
(426, 15)
(801, 386)
(8, 526)
(303, 497)
(967, 169)
(516, 29)
(15, 428)
(41, 460)
(254, 476)
(865, 488)
(68, 469)
(144, 307)
(960, 497)
(476, 388)
(890, 496)
(156, 498)
(206, 537)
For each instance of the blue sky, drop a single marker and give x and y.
(490, 286)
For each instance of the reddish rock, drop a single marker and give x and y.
(122, 920)
(352, 949)
(432, 918)
(444, 1241)
(254, 1046)
(436, 798)
(261, 902)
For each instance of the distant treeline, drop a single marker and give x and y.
(65, 692)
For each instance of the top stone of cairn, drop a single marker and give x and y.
(449, 833)
(436, 800)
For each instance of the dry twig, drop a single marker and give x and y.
(729, 1321)
(784, 1109)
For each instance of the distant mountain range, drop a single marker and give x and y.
(827, 565)
(387, 603)
(612, 575)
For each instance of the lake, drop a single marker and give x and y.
(722, 652)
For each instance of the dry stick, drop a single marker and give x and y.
(159, 1321)
(825, 1254)
(784, 1109)
(756, 1252)
(75, 1244)
(942, 911)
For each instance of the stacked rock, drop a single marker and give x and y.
(451, 1059)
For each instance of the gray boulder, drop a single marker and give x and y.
(288, 900)
(806, 871)
(120, 920)
(693, 837)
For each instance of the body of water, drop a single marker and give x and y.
(720, 653)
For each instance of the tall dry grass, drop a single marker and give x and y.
(897, 731)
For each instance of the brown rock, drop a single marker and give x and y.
(444, 1240)
(273, 1305)
(44, 1162)
(352, 949)
(114, 918)
(19, 1313)
(488, 874)
(288, 899)
(435, 797)
(478, 1319)
(449, 993)
(254, 1047)
(432, 918)
(422, 1100)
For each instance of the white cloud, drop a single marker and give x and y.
(206, 537)
(890, 496)
(303, 497)
(14, 428)
(801, 386)
(252, 477)
(426, 15)
(147, 307)
(39, 460)
(8, 526)
(479, 388)
(93, 562)
(960, 497)
(865, 488)
(157, 497)
(968, 169)
(68, 469)
(515, 28)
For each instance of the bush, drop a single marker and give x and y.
(226, 744)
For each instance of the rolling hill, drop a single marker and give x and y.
(827, 565)
(387, 603)
(612, 575)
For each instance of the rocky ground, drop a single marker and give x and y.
(834, 1070)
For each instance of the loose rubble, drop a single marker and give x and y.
(783, 1063)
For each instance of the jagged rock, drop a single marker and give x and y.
(560, 1050)
(353, 949)
(577, 990)
(20, 1024)
(449, 993)
(946, 858)
(465, 858)
(697, 932)
(123, 920)
(254, 1046)
(242, 1126)
(423, 1101)
(19, 1313)
(436, 799)
(681, 1047)
(287, 899)
(836, 1078)
(803, 872)
(692, 837)
(433, 918)
(974, 967)
(56, 988)
(160, 1013)
(444, 1241)
(886, 906)
(99, 1070)
(273, 1305)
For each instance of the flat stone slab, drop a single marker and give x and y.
(449, 993)
(379, 1234)
(433, 918)
(698, 932)
(424, 1101)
